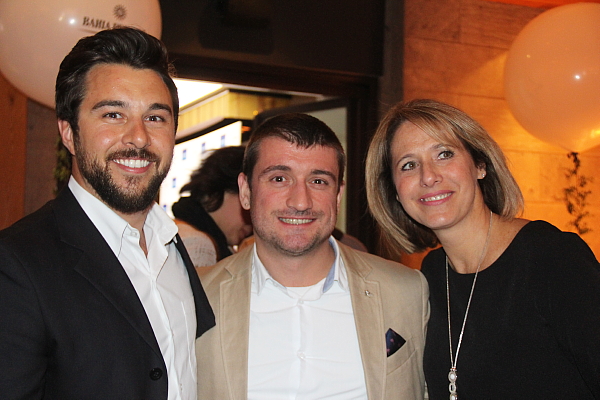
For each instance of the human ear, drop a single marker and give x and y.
(340, 193)
(66, 134)
(481, 171)
(244, 191)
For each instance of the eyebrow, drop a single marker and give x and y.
(326, 173)
(109, 103)
(122, 104)
(161, 106)
(275, 168)
(285, 168)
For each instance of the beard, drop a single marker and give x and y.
(292, 245)
(130, 198)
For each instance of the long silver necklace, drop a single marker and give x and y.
(452, 375)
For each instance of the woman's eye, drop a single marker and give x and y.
(446, 154)
(408, 166)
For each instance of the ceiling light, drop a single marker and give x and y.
(191, 90)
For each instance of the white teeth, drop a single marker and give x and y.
(438, 197)
(132, 163)
(295, 221)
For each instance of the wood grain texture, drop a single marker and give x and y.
(13, 131)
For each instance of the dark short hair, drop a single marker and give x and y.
(303, 130)
(125, 46)
(448, 124)
(217, 174)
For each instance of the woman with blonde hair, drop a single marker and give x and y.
(515, 304)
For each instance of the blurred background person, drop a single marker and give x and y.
(515, 304)
(211, 220)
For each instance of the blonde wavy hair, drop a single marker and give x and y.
(449, 125)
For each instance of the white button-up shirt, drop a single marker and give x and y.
(303, 342)
(161, 282)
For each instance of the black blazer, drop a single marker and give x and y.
(71, 323)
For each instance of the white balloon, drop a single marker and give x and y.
(35, 35)
(552, 76)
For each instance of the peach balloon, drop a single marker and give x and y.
(552, 76)
(35, 35)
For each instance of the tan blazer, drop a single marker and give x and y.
(384, 295)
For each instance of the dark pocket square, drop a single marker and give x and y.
(393, 342)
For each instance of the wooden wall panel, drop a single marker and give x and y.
(13, 131)
(42, 136)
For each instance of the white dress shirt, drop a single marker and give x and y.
(160, 281)
(303, 342)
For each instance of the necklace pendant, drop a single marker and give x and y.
(452, 376)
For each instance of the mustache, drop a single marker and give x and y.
(142, 154)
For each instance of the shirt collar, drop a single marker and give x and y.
(337, 272)
(112, 227)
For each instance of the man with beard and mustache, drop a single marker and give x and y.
(98, 296)
(298, 314)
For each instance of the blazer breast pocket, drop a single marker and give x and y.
(393, 341)
(400, 351)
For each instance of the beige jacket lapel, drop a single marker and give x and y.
(234, 309)
(368, 316)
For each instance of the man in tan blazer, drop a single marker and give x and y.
(300, 315)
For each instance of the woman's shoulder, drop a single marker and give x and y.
(543, 234)
(186, 230)
(540, 226)
(549, 245)
(199, 245)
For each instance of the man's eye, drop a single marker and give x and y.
(320, 181)
(112, 115)
(155, 118)
(278, 179)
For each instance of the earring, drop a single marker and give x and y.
(482, 175)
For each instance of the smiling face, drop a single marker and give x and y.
(124, 145)
(436, 182)
(294, 196)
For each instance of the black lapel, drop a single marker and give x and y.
(98, 264)
(205, 318)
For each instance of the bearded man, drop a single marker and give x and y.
(98, 296)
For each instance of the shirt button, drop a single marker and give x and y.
(301, 355)
(300, 301)
(156, 374)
